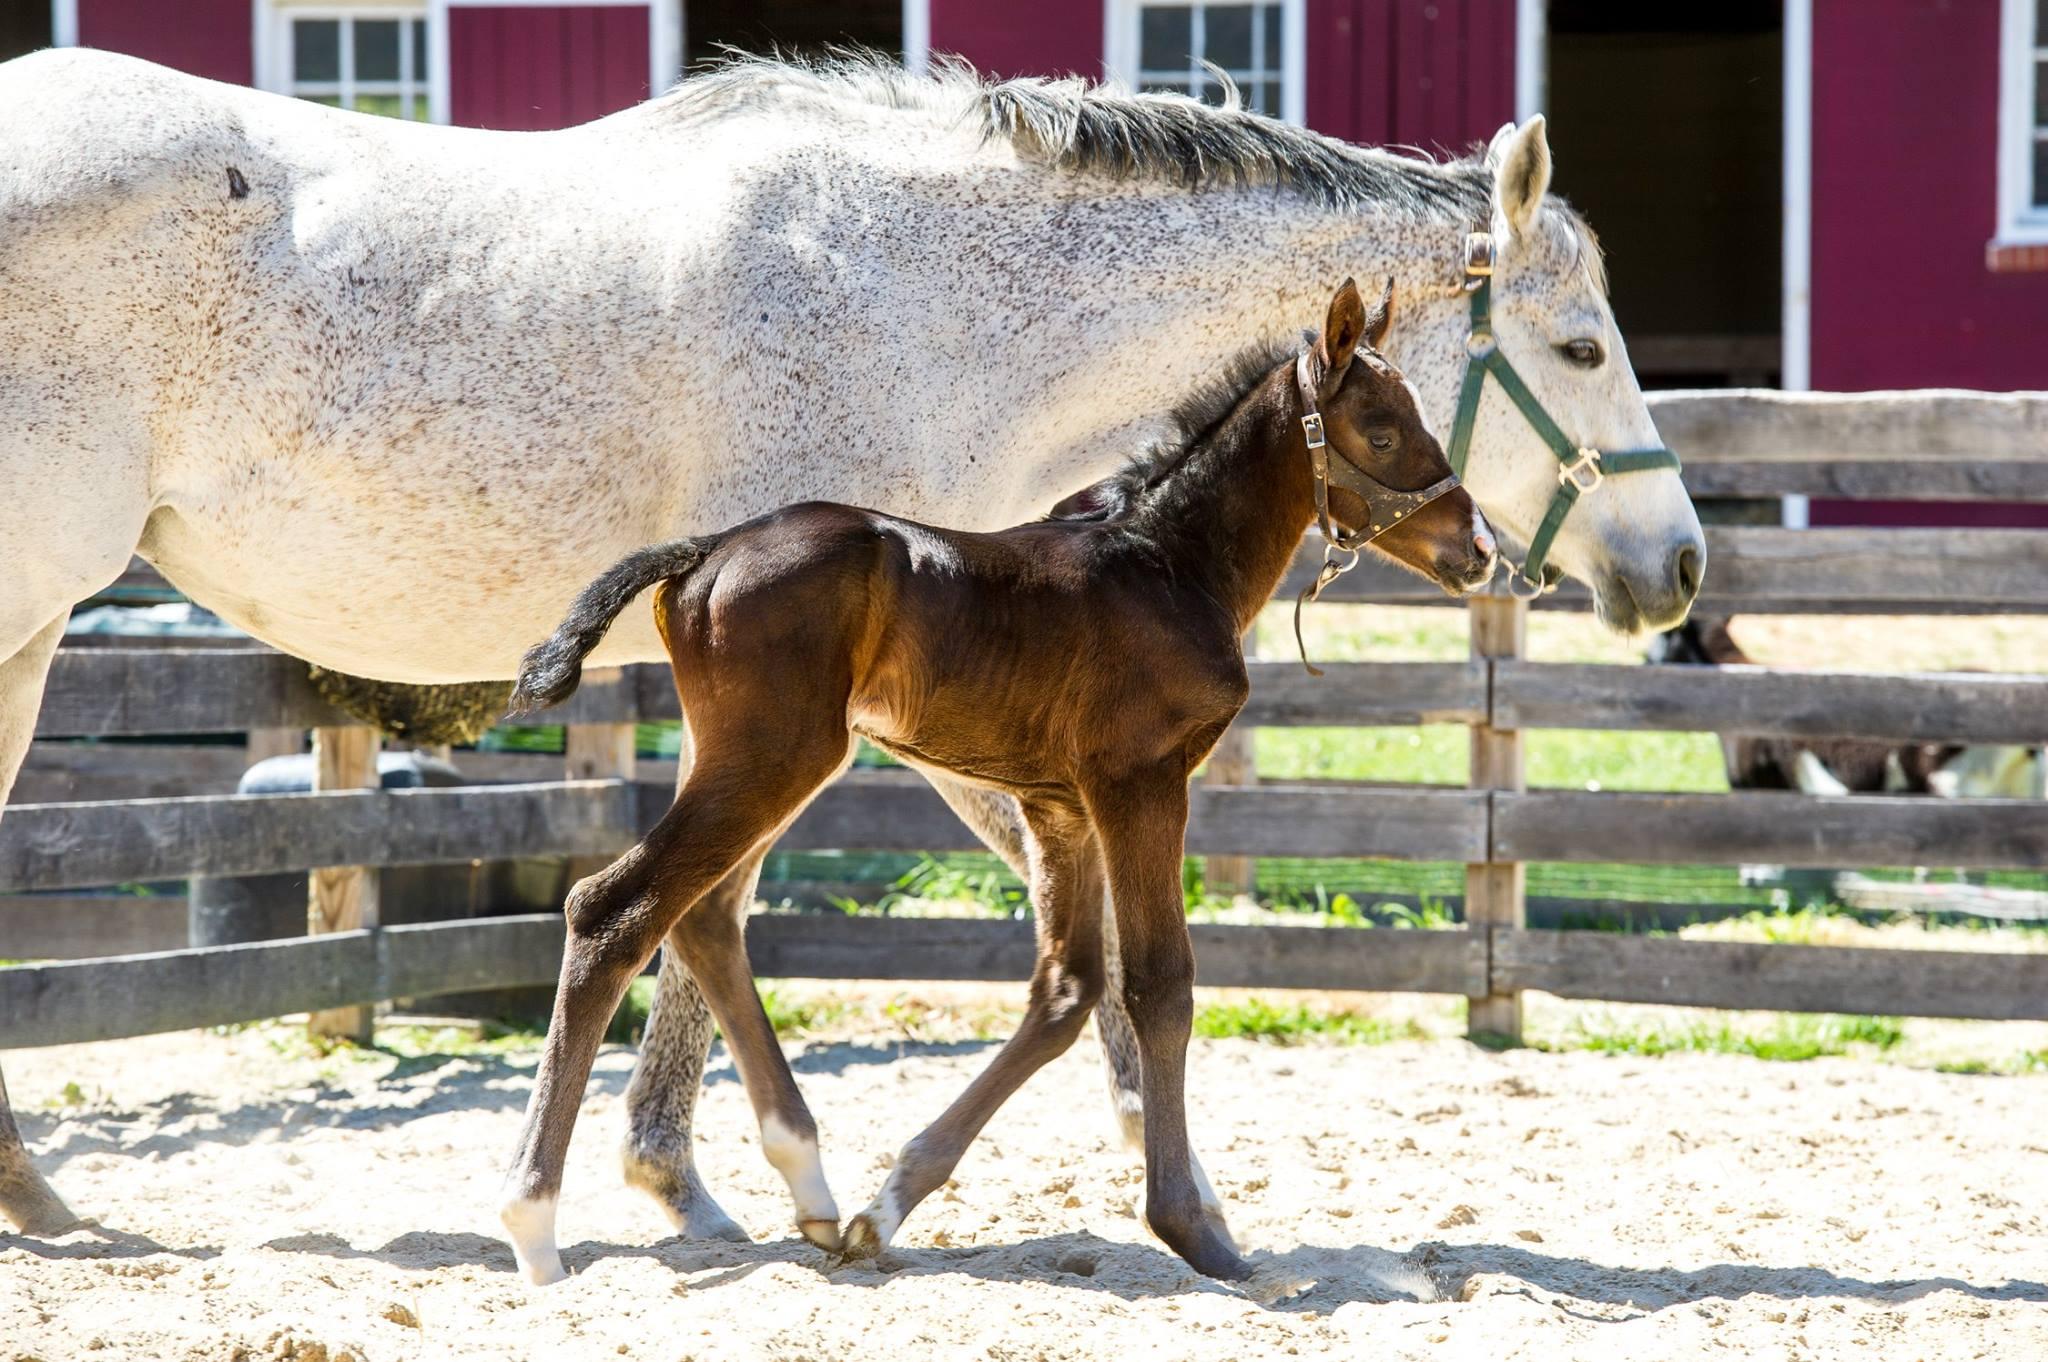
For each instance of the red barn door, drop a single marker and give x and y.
(528, 68)
(212, 38)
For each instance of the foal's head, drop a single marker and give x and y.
(1371, 421)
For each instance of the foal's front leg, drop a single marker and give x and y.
(1142, 824)
(1066, 892)
(997, 820)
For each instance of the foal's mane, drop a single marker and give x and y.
(1191, 421)
(1077, 125)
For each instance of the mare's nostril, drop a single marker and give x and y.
(1688, 569)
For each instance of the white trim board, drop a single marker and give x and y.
(63, 23)
(2020, 222)
(917, 37)
(1532, 50)
(1795, 361)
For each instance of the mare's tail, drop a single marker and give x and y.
(551, 669)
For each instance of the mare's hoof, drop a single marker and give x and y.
(862, 1241)
(823, 1233)
(1207, 1248)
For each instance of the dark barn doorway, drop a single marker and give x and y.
(24, 27)
(792, 27)
(1668, 121)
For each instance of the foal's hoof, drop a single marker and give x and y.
(823, 1233)
(1207, 1248)
(689, 1208)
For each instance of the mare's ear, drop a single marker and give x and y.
(1520, 159)
(1342, 330)
(1381, 317)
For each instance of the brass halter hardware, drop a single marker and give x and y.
(1385, 506)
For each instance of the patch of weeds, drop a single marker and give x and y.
(1792, 1037)
(795, 1018)
(629, 1023)
(1257, 1019)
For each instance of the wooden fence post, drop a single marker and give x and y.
(1234, 762)
(598, 752)
(265, 743)
(343, 898)
(1495, 891)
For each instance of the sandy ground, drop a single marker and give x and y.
(264, 1202)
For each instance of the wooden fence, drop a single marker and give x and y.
(1959, 445)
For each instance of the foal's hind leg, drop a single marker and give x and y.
(711, 939)
(1066, 889)
(730, 804)
(998, 820)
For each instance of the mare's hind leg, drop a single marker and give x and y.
(998, 821)
(711, 939)
(1066, 891)
(26, 1200)
(734, 799)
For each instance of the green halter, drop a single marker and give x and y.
(1583, 468)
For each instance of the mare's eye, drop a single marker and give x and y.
(1587, 354)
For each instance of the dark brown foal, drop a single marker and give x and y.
(793, 633)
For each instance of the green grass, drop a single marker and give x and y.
(1256, 1019)
(1437, 754)
(1789, 1036)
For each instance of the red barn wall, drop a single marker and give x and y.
(528, 68)
(212, 38)
(1905, 196)
(1439, 75)
(1016, 38)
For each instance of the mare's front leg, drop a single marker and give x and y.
(732, 801)
(998, 821)
(1142, 823)
(1066, 892)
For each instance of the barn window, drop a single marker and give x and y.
(373, 61)
(1162, 46)
(2023, 124)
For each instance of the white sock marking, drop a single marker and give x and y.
(530, 1224)
(796, 1158)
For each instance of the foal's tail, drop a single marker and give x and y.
(551, 669)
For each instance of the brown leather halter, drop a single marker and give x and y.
(1385, 506)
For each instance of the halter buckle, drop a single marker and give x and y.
(1582, 472)
(1312, 430)
(1478, 254)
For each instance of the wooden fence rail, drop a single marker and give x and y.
(174, 990)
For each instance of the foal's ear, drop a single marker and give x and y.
(1342, 330)
(1381, 317)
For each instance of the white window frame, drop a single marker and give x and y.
(273, 38)
(2020, 222)
(274, 47)
(1120, 47)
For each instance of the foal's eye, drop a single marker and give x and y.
(1382, 441)
(1587, 354)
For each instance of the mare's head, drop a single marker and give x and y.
(1635, 538)
(1372, 423)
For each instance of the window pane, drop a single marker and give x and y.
(1228, 38)
(2041, 23)
(1265, 97)
(1270, 14)
(419, 49)
(389, 106)
(316, 49)
(376, 49)
(1212, 93)
(419, 109)
(1164, 34)
(331, 101)
(2040, 174)
(2041, 90)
